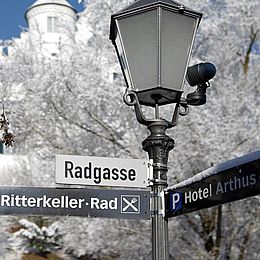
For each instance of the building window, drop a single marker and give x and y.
(5, 51)
(52, 24)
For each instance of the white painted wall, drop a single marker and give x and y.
(52, 26)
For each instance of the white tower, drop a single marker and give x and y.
(52, 26)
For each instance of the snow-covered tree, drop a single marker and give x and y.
(75, 107)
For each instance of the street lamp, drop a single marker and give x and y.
(153, 41)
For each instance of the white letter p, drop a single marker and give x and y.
(175, 200)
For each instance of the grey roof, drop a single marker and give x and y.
(141, 3)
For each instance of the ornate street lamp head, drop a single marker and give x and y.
(153, 40)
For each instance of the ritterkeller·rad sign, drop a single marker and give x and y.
(101, 171)
(125, 204)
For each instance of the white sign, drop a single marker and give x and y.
(101, 171)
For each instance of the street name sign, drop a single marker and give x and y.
(101, 171)
(233, 180)
(103, 203)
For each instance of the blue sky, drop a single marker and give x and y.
(12, 16)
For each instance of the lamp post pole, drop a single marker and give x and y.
(158, 145)
(153, 41)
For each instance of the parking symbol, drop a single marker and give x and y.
(176, 201)
(130, 204)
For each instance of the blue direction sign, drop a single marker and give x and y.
(233, 180)
(124, 204)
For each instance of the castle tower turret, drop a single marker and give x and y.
(52, 26)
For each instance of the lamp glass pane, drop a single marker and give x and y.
(140, 41)
(176, 42)
(123, 62)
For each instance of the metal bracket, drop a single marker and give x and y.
(160, 165)
(158, 196)
(163, 203)
(150, 173)
(150, 176)
(151, 181)
(131, 99)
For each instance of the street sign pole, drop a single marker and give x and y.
(158, 145)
